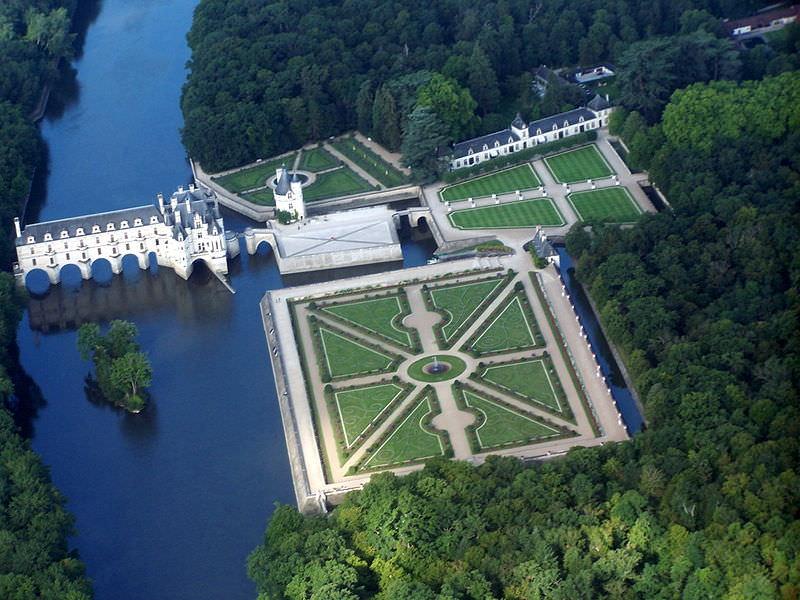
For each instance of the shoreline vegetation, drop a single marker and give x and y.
(35, 557)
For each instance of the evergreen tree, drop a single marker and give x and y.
(364, 102)
(385, 119)
(482, 81)
(425, 135)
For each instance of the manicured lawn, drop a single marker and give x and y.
(347, 357)
(503, 426)
(520, 213)
(579, 165)
(340, 182)
(255, 176)
(359, 407)
(410, 441)
(416, 369)
(379, 315)
(264, 197)
(529, 378)
(373, 164)
(461, 302)
(521, 177)
(317, 159)
(510, 329)
(612, 205)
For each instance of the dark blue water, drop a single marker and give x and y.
(626, 403)
(170, 502)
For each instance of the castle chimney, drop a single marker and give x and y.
(188, 205)
(17, 228)
(161, 203)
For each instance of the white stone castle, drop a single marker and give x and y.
(288, 194)
(178, 233)
(521, 135)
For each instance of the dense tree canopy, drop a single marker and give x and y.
(269, 76)
(702, 302)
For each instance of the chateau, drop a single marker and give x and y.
(520, 136)
(178, 233)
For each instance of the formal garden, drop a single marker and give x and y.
(387, 369)
(577, 165)
(386, 174)
(519, 178)
(509, 215)
(610, 205)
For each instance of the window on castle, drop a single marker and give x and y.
(96, 229)
(110, 227)
(32, 250)
(79, 231)
(124, 225)
(64, 234)
(47, 237)
(137, 222)
(34, 262)
(67, 255)
(31, 239)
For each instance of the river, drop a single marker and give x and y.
(168, 503)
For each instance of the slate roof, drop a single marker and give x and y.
(282, 185)
(86, 222)
(462, 148)
(598, 103)
(518, 122)
(571, 117)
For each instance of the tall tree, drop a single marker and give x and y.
(364, 102)
(386, 119)
(423, 139)
(453, 104)
(482, 81)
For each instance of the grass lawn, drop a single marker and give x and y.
(373, 164)
(579, 165)
(529, 378)
(520, 213)
(510, 329)
(359, 407)
(340, 182)
(521, 177)
(255, 176)
(378, 315)
(612, 205)
(410, 441)
(503, 426)
(347, 357)
(317, 159)
(264, 197)
(461, 302)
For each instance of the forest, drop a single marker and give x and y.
(266, 77)
(35, 560)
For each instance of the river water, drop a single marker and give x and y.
(168, 503)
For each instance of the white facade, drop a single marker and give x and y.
(186, 229)
(520, 136)
(288, 194)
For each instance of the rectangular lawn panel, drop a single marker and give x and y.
(341, 182)
(511, 329)
(521, 177)
(361, 406)
(579, 165)
(345, 357)
(520, 213)
(530, 378)
(377, 315)
(411, 440)
(499, 425)
(460, 302)
(611, 205)
(373, 164)
(255, 176)
(317, 159)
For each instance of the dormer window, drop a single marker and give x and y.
(555, 126)
(123, 225)
(110, 227)
(47, 237)
(79, 231)
(580, 120)
(154, 220)
(470, 151)
(485, 147)
(497, 143)
(64, 234)
(566, 123)
(137, 222)
(95, 228)
(538, 132)
(31, 239)
(510, 141)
